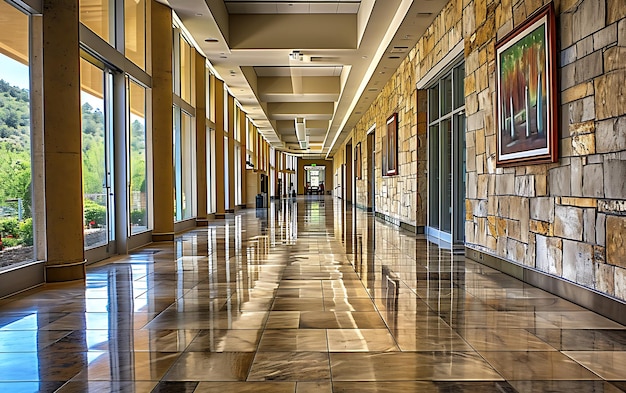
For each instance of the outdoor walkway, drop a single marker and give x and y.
(303, 297)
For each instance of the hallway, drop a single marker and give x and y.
(303, 297)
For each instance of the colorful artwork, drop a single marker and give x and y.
(526, 105)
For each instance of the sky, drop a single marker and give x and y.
(17, 74)
(14, 72)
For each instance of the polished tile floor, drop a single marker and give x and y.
(303, 297)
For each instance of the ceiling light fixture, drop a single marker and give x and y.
(211, 40)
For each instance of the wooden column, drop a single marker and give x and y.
(162, 123)
(231, 154)
(62, 141)
(201, 153)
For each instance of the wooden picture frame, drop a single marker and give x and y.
(526, 100)
(358, 174)
(390, 147)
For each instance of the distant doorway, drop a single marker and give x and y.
(314, 183)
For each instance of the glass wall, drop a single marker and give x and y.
(184, 166)
(137, 154)
(98, 16)
(16, 226)
(96, 149)
(135, 31)
(446, 157)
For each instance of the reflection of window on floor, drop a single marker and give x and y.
(16, 224)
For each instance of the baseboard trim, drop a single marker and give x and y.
(585, 297)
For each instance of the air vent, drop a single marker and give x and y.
(372, 89)
(399, 49)
(393, 57)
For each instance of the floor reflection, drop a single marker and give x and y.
(307, 295)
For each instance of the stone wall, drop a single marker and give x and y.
(567, 219)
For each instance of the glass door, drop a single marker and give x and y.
(97, 157)
(446, 159)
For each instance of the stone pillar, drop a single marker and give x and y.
(62, 141)
(201, 154)
(231, 154)
(220, 200)
(162, 122)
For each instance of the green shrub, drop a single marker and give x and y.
(11, 242)
(138, 217)
(26, 232)
(95, 214)
(9, 227)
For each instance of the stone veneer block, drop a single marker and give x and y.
(549, 254)
(578, 263)
(605, 278)
(615, 173)
(541, 228)
(589, 225)
(610, 135)
(505, 184)
(614, 57)
(610, 95)
(576, 173)
(583, 145)
(568, 222)
(616, 240)
(601, 229)
(588, 67)
(577, 92)
(593, 181)
(620, 283)
(525, 186)
(560, 181)
(588, 18)
(616, 10)
(605, 37)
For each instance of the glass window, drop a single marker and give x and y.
(97, 181)
(184, 166)
(135, 31)
(186, 69)
(446, 94)
(459, 91)
(97, 15)
(137, 158)
(16, 228)
(446, 177)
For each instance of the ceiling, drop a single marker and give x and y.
(316, 63)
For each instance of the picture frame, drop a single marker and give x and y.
(526, 99)
(357, 162)
(390, 147)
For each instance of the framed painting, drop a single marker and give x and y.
(357, 162)
(527, 111)
(390, 147)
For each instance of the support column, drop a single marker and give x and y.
(243, 121)
(220, 198)
(231, 154)
(201, 153)
(162, 121)
(62, 141)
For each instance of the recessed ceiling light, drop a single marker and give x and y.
(211, 40)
